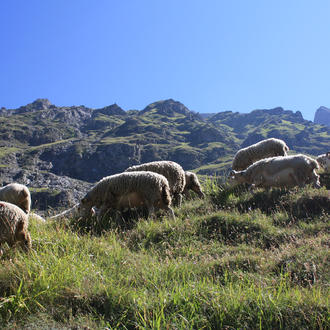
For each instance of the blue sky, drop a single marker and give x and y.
(211, 55)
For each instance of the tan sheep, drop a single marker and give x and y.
(172, 171)
(287, 171)
(37, 217)
(128, 190)
(17, 194)
(14, 226)
(192, 183)
(263, 149)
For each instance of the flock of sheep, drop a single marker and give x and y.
(161, 184)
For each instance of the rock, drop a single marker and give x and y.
(322, 116)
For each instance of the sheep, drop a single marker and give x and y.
(263, 149)
(14, 226)
(37, 217)
(193, 184)
(17, 194)
(172, 171)
(324, 161)
(128, 189)
(287, 171)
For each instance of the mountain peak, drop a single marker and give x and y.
(167, 107)
(41, 104)
(38, 104)
(322, 116)
(112, 109)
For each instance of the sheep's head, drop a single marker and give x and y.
(193, 184)
(197, 189)
(86, 207)
(22, 236)
(236, 177)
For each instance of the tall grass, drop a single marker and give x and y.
(233, 260)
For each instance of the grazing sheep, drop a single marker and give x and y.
(287, 171)
(14, 226)
(263, 149)
(70, 213)
(324, 161)
(193, 184)
(128, 189)
(17, 194)
(36, 217)
(172, 171)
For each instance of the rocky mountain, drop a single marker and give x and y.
(322, 116)
(60, 152)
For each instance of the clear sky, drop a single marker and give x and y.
(211, 55)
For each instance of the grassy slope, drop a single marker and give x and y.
(233, 260)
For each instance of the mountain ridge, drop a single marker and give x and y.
(85, 144)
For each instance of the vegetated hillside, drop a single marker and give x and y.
(235, 260)
(59, 152)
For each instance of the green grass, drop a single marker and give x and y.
(218, 265)
(48, 145)
(8, 150)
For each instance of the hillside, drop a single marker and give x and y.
(59, 152)
(234, 260)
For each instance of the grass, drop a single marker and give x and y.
(47, 145)
(218, 265)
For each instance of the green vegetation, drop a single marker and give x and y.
(233, 260)
(49, 145)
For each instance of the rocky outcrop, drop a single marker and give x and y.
(322, 116)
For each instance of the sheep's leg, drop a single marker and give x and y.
(102, 212)
(179, 202)
(150, 209)
(170, 211)
(258, 181)
(177, 199)
(296, 181)
(315, 180)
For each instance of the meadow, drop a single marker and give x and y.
(234, 260)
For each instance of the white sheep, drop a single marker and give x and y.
(37, 217)
(287, 171)
(126, 190)
(324, 161)
(17, 194)
(14, 226)
(192, 183)
(172, 171)
(263, 149)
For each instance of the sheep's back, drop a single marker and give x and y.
(262, 149)
(126, 182)
(172, 171)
